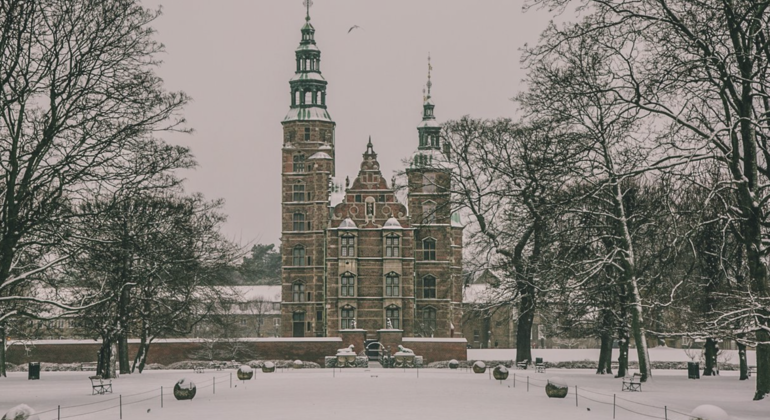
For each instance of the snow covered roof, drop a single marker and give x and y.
(392, 223)
(428, 123)
(251, 293)
(319, 155)
(307, 114)
(477, 293)
(310, 75)
(307, 47)
(325, 147)
(348, 223)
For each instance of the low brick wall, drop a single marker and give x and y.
(437, 349)
(166, 352)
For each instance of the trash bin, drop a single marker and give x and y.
(34, 370)
(693, 370)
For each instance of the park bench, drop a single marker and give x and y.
(539, 365)
(751, 370)
(198, 369)
(523, 364)
(100, 386)
(88, 366)
(632, 383)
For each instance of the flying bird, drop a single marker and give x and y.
(354, 27)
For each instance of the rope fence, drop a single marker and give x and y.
(60, 414)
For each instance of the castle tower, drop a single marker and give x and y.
(437, 235)
(307, 168)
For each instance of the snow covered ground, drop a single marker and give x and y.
(379, 394)
(657, 354)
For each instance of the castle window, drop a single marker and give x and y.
(392, 246)
(347, 285)
(392, 285)
(298, 292)
(299, 222)
(429, 249)
(393, 314)
(429, 212)
(347, 316)
(298, 324)
(422, 139)
(429, 321)
(348, 246)
(298, 256)
(429, 287)
(299, 163)
(307, 133)
(434, 140)
(298, 192)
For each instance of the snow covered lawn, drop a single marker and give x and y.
(378, 394)
(657, 354)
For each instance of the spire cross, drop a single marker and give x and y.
(308, 4)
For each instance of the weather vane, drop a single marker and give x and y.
(429, 70)
(308, 4)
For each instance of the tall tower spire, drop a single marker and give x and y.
(428, 128)
(308, 86)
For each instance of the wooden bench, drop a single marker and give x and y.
(632, 383)
(539, 365)
(100, 386)
(198, 369)
(88, 366)
(523, 364)
(751, 370)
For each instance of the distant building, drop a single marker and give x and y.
(369, 258)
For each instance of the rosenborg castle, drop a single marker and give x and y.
(368, 262)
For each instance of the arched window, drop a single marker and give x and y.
(298, 192)
(429, 212)
(392, 246)
(298, 220)
(429, 321)
(347, 285)
(298, 256)
(428, 287)
(298, 292)
(429, 249)
(347, 317)
(299, 163)
(393, 313)
(392, 284)
(347, 246)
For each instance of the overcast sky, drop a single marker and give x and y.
(235, 58)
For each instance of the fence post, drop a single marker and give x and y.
(58, 412)
(121, 406)
(514, 380)
(665, 411)
(490, 374)
(527, 383)
(161, 397)
(231, 379)
(576, 396)
(613, 406)
(214, 385)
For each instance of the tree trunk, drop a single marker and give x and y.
(105, 359)
(711, 358)
(2, 350)
(123, 331)
(112, 366)
(605, 354)
(524, 330)
(141, 356)
(744, 366)
(763, 365)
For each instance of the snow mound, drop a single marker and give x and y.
(480, 364)
(269, 365)
(21, 412)
(245, 369)
(708, 412)
(558, 381)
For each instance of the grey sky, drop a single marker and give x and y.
(235, 58)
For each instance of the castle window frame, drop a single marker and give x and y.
(392, 285)
(393, 313)
(429, 212)
(429, 249)
(429, 287)
(307, 133)
(298, 292)
(347, 285)
(347, 316)
(298, 164)
(347, 246)
(392, 246)
(298, 192)
(298, 256)
(428, 320)
(434, 140)
(298, 222)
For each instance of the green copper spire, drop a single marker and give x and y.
(428, 128)
(308, 86)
